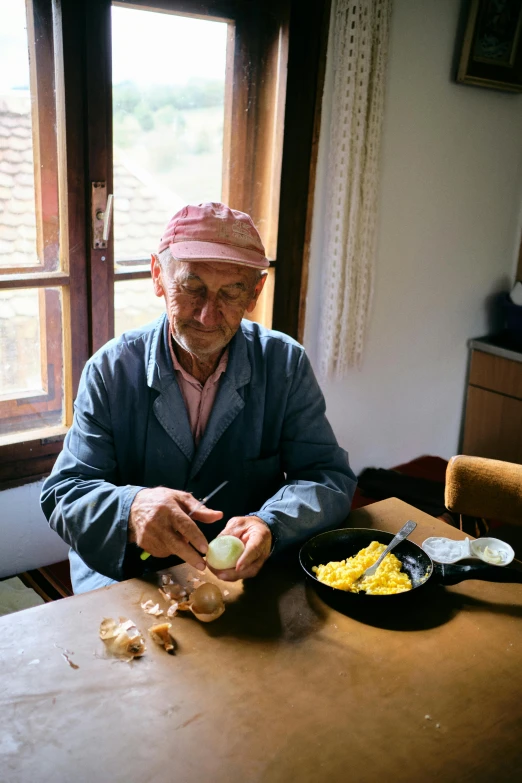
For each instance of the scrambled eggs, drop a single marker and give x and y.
(388, 578)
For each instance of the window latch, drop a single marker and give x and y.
(101, 214)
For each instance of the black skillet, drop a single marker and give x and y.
(422, 570)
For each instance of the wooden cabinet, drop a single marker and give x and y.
(493, 416)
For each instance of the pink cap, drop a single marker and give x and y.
(214, 232)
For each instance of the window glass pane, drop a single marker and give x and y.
(28, 231)
(135, 304)
(20, 350)
(168, 104)
(31, 359)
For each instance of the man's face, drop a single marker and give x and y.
(205, 301)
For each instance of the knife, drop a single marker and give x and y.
(146, 555)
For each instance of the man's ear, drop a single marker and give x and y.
(155, 271)
(257, 290)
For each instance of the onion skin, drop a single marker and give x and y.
(208, 618)
(162, 636)
(122, 639)
(206, 603)
(207, 599)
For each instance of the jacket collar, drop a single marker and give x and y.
(158, 368)
(169, 406)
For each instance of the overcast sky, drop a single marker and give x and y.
(148, 47)
(14, 63)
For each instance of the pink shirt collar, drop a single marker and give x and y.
(199, 398)
(222, 366)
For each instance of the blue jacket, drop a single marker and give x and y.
(267, 434)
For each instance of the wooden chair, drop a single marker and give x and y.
(489, 491)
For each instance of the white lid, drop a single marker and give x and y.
(447, 550)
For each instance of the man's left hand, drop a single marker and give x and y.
(257, 538)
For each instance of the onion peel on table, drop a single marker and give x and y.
(162, 636)
(151, 608)
(173, 593)
(205, 601)
(122, 639)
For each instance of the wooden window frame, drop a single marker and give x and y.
(37, 404)
(274, 42)
(60, 207)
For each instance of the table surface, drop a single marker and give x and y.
(281, 688)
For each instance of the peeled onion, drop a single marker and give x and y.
(224, 552)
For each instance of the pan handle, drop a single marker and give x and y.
(453, 574)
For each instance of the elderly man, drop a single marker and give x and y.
(167, 412)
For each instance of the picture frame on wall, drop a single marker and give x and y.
(492, 49)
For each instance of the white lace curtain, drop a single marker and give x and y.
(358, 46)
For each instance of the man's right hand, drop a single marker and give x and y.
(159, 524)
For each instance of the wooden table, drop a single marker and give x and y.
(281, 688)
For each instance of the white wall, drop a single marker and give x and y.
(26, 540)
(449, 227)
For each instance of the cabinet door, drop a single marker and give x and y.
(493, 426)
(496, 374)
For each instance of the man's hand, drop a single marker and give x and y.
(159, 524)
(256, 537)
